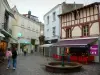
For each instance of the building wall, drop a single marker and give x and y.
(64, 34)
(76, 32)
(95, 28)
(28, 29)
(2, 12)
(70, 7)
(48, 34)
(88, 16)
(42, 29)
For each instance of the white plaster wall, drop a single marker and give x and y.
(63, 33)
(27, 33)
(76, 31)
(52, 23)
(95, 28)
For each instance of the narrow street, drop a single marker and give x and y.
(34, 65)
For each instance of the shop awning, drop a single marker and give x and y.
(1, 35)
(46, 45)
(25, 41)
(75, 43)
(8, 34)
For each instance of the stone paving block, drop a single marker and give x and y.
(34, 65)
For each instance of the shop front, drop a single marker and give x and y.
(80, 50)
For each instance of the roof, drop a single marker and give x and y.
(31, 15)
(80, 8)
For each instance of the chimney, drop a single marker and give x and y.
(74, 5)
(29, 14)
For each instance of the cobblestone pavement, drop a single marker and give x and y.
(34, 65)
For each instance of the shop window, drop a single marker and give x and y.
(68, 33)
(85, 30)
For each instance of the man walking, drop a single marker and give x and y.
(14, 57)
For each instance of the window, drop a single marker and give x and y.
(85, 30)
(54, 16)
(47, 19)
(54, 31)
(68, 33)
(47, 30)
(28, 27)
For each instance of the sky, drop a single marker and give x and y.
(40, 7)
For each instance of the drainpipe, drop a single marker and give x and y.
(99, 47)
(18, 47)
(99, 32)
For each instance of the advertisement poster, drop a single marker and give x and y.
(94, 50)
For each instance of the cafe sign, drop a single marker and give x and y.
(94, 50)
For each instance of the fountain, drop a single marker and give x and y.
(63, 67)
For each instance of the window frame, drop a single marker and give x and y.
(85, 30)
(48, 18)
(54, 16)
(68, 33)
(54, 31)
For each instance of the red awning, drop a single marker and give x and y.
(75, 43)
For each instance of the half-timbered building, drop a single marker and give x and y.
(80, 29)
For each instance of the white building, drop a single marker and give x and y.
(25, 30)
(52, 22)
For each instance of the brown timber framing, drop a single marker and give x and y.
(61, 25)
(90, 17)
(84, 9)
(93, 13)
(84, 17)
(66, 20)
(81, 24)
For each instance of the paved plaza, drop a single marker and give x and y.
(34, 65)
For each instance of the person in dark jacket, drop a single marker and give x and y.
(14, 57)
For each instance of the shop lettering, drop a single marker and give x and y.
(93, 48)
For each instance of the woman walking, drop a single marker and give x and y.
(9, 55)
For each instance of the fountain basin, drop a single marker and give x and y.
(56, 67)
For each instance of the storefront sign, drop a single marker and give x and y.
(94, 50)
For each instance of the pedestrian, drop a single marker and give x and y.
(9, 55)
(14, 58)
(25, 51)
(68, 57)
